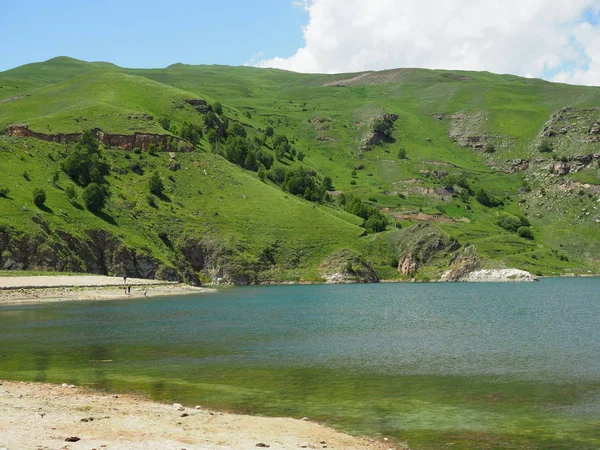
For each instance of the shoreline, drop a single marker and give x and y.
(45, 289)
(20, 290)
(42, 415)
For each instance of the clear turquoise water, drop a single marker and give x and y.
(475, 365)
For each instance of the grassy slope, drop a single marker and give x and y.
(514, 111)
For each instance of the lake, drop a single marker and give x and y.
(439, 365)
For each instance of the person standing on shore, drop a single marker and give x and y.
(128, 290)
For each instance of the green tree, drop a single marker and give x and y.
(262, 173)
(328, 183)
(376, 223)
(165, 123)
(71, 193)
(4, 191)
(402, 153)
(508, 221)
(218, 108)
(39, 197)
(191, 133)
(525, 232)
(277, 174)
(237, 129)
(95, 197)
(84, 159)
(155, 184)
(301, 156)
(269, 131)
(486, 199)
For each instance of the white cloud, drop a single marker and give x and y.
(523, 37)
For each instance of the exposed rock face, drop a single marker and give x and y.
(462, 264)
(126, 142)
(407, 265)
(347, 266)
(467, 130)
(98, 252)
(516, 165)
(422, 244)
(499, 275)
(199, 105)
(226, 265)
(377, 137)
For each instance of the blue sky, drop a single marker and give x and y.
(550, 39)
(150, 33)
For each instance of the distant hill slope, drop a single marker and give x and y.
(416, 146)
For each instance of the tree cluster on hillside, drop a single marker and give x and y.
(85, 166)
(516, 224)
(305, 183)
(375, 220)
(191, 133)
(487, 199)
(384, 127)
(243, 153)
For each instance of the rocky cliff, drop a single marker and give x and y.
(142, 141)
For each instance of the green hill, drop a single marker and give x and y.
(470, 156)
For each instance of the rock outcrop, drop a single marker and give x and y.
(462, 264)
(347, 266)
(423, 244)
(97, 251)
(379, 133)
(499, 275)
(142, 141)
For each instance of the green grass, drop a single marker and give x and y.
(65, 95)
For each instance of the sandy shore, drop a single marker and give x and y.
(39, 289)
(43, 416)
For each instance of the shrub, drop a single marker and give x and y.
(545, 147)
(262, 173)
(26, 176)
(165, 123)
(277, 174)
(155, 184)
(509, 222)
(71, 192)
(402, 153)
(525, 232)
(486, 199)
(489, 148)
(384, 127)
(39, 197)
(191, 133)
(151, 199)
(376, 223)
(136, 167)
(4, 191)
(95, 197)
